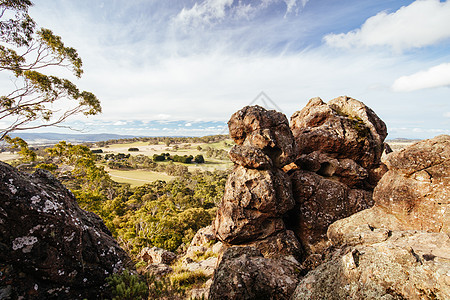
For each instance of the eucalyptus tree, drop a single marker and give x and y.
(37, 99)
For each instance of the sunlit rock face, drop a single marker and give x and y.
(413, 195)
(360, 228)
(49, 247)
(337, 165)
(258, 193)
(395, 265)
(262, 258)
(416, 189)
(399, 248)
(342, 128)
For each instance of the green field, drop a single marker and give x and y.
(140, 177)
(137, 177)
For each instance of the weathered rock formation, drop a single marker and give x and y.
(399, 265)
(400, 248)
(343, 128)
(157, 255)
(244, 273)
(413, 195)
(49, 247)
(397, 249)
(262, 260)
(340, 144)
(258, 192)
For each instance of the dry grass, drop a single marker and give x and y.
(137, 177)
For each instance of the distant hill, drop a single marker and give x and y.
(402, 140)
(49, 137)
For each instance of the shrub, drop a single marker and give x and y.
(157, 157)
(199, 159)
(127, 286)
(49, 167)
(133, 149)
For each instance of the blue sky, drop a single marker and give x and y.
(173, 67)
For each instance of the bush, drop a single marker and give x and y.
(182, 159)
(49, 167)
(127, 286)
(97, 151)
(199, 159)
(157, 157)
(133, 149)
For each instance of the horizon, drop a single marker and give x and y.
(182, 68)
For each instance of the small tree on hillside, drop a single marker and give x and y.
(35, 98)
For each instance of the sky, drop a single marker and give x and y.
(183, 67)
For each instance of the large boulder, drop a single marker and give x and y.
(320, 202)
(267, 130)
(50, 247)
(416, 189)
(244, 273)
(399, 248)
(340, 144)
(253, 204)
(380, 265)
(343, 128)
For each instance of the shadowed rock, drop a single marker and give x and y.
(320, 202)
(50, 247)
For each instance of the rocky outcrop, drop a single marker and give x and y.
(262, 258)
(156, 255)
(399, 265)
(258, 192)
(49, 247)
(244, 273)
(267, 130)
(391, 242)
(400, 248)
(340, 144)
(342, 128)
(413, 195)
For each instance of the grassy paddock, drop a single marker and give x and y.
(137, 177)
(8, 156)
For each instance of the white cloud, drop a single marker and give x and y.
(292, 5)
(120, 123)
(209, 12)
(206, 12)
(422, 23)
(447, 114)
(437, 76)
